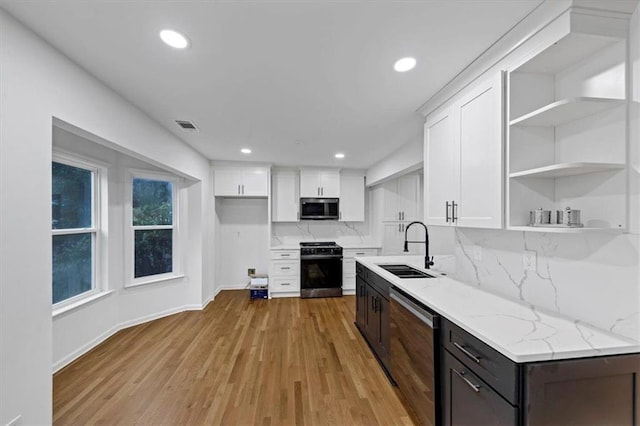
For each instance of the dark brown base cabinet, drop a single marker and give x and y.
(372, 312)
(482, 387)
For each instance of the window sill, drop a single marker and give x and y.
(155, 280)
(80, 303)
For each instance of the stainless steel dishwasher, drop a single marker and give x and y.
(414, 355)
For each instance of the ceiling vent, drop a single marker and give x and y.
(187, 125)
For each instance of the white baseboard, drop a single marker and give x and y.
(57, 366)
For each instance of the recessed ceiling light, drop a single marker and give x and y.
(245, 151)
(404, 64)
(174, 39)
(339, 155)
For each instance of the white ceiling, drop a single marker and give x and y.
(295, 81)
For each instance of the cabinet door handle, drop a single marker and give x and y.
(473, 386)
(322, 191)
(399, 216)
(467, 353)
(399, 228)
(446, 210)
(402, 215)
(340, 215)
(359, 254)
(402, 227)
(285, 283)
(285, 255)
(242, 189)
(298, 215)
(285, 267)
(453, 212)
(238, 189)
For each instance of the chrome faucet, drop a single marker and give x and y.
(427, 262)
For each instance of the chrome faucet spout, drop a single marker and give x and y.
(427, 261)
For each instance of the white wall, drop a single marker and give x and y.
(38, 83)
(243, 235)
(406, 159)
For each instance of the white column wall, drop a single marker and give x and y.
(37, 83)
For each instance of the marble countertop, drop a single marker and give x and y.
(520, 331)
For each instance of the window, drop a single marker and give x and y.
(75, 224)
(153, 206)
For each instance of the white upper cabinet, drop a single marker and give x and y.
(241, 181)
(567, 125)
(464, 158)
(324, 184)
(401, 199)
(352, 191)
(285, 198)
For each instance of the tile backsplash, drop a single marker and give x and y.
(355, 233)
(592, 277)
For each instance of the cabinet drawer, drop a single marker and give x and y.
(278, 285)
(285, 268)
(349, 283)
(469, 400)
(285, 254)
(351, 253)
(494, 368)
(348, 268)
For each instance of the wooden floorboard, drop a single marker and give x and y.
(237, 362)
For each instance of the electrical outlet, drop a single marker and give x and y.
(477, 253)
(251, 271)
(529, 260)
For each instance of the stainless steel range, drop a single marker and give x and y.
(320, 269)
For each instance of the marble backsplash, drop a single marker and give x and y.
(591, 277)
(353, 233)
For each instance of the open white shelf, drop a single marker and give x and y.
(565, 111)
(567, 169)
(567, 51)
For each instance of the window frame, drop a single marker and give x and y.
(99, 191)
(176, 256)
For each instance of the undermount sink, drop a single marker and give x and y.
(405, 271)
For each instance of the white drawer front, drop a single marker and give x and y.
(285, 268)
(348, 268)
(349, 283)
(351, 253)
(285, 254)
(278, 285)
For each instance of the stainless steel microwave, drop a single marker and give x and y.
(319, 209)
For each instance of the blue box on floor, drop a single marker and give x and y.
(259, 293)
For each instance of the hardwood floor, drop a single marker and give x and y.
(238, 362)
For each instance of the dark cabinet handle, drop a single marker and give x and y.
(238, 189)
(473, 386)
(453, 211)
(242, 189)
(285, 267)
(285, 255)
(285, 283)
(446, 209)
(467, 353)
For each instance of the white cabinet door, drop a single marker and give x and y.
(330, 185)
(309, 184)
(480, 127)
(441, 167)
(408, 196)
(255, 182)
(392, 239)
(285, 202)
(352, 198)
(228, 182)
(390, 212)
(463, 159)
(315, 184)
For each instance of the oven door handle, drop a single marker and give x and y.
(423, 315)
(319, 257)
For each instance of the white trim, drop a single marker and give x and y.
(98, 229)
(153, 279)
(129, 229)
(86, 299)
(68, 359)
